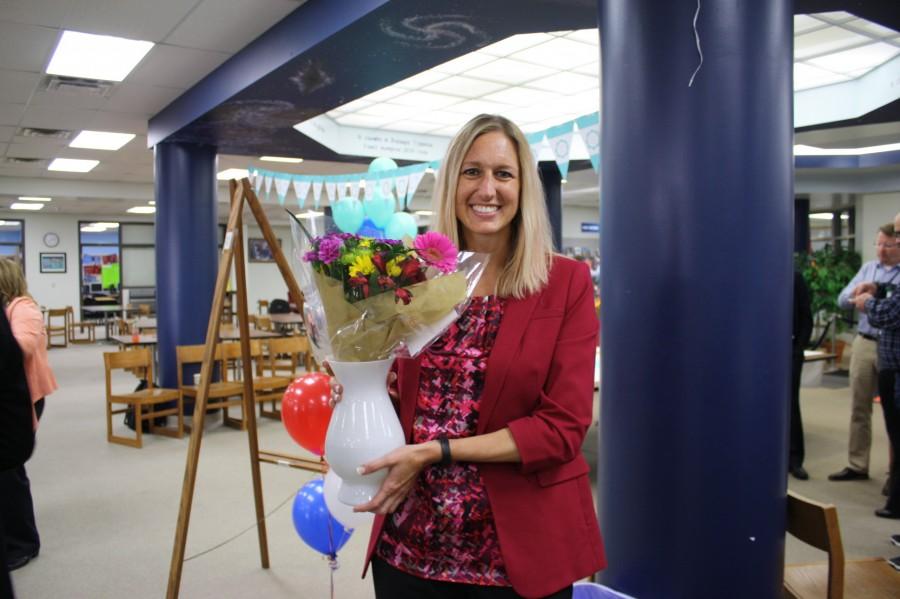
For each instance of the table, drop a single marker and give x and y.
(144, 322)
(288, 321)
(254, 334)
(130, 341)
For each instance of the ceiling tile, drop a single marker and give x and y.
(509, 71)
(132, 19)
(11, 114)
(67, 101)
(359, 120)
(143, 99)
(464, 86)
(805, 23)
(17, 86)
(421, 80)
(48, 13)
(413, 126)
(171, 66)
(425, 100)
(869, 56)
(565, 82)
(592, 69)
(869, 28)
(229, 25)
(383, 109)
(826, 40)
(54, 117)
(464, 63)
(807, 76)
(559, 53)
(6, 133)
(475, 107)
(521, 96)
(120, 122)
(587, 36)
(515, 43)
(26, 147)
(25, 47)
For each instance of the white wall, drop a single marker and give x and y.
(264, 280)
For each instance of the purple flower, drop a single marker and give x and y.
(329, 249)
(311, 256)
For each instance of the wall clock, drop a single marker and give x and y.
(51, 240)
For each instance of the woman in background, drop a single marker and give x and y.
(20, 535)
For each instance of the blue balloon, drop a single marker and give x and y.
(382, 164)
(402, 224)
(379, 209)
(314, 523)
(368, 229)
(348, 214)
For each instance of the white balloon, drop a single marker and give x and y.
(341, 512)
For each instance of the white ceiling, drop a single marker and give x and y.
(194, 37)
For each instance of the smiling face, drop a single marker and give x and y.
(487, 193)
(886, 250)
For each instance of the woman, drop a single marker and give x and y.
(491, 498)
(20, 535)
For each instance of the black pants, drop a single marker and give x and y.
(20, 534)
(890, 403)
(797, 453)
(391, 583)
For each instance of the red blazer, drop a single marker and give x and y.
(540, 384)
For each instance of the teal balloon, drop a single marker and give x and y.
(382, 164)
(379, 209)
(348, 214)
(402, 224)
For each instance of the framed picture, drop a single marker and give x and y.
(53, 262)
(259, 251)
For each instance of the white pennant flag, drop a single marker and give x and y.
(301, 188)
(560, 140)
(387, 186)
(589, 130)
(317, 193)
(353, 186)
(370, 189)
(252, 176)
(414, 180)
(281, 188)
(257, 185)
(267, 184)
(330, 189)
(402, 184)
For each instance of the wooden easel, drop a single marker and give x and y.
(233, 252)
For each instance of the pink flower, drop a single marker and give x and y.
(436, 250)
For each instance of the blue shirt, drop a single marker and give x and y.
(885, 314)
(870, 272)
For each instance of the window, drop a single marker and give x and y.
(832, 227)
(12, 241)
(99, 263)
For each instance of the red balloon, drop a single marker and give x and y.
(305, 411)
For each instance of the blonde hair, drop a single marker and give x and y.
(528, 267)
(12, 281)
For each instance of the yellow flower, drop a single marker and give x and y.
(392, 269)
(365, 243)
(362, 265)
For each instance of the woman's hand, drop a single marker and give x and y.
(337, 390)
(404, 463)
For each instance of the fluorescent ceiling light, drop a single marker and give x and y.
(424, 212)
(803, 150)
(232, 173)
(152, 202)
(108, 225)
(101, 140)
(96, 56)
(281, 159)
(34, 199)
(824, 216)
(92, 229)
(309, 214)
(142, 210)
(72, 165)
(25, 206)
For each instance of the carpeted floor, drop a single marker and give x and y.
(107, 513)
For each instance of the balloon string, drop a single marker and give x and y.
(697, 40)
(333, 565)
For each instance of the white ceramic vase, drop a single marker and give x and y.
(363, 426)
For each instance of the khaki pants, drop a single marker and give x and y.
(864, 387)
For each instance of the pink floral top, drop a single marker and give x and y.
(444, 530)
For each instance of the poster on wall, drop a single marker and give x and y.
(259, 251)
(53, 262)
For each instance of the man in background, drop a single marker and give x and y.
(802, 331)
(864, 359)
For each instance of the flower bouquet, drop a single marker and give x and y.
(366, 300)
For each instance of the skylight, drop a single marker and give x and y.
(543, 79)
(96, 56)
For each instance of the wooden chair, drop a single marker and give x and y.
(144, 310)
(263, 323)
(80, 332)
(284, 355)
(816, 524)
(266, 388)
(140, 361)
(223, 393)
(55, 329)
(262, 306)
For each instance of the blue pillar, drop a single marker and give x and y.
(696, 286)
(551, 179)
(186, 247)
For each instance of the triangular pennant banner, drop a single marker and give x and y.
(560, 140)
(301, 188)
(589, 130)
(267, 184)
(317, 193)
(536, 143)
(330, 190)
(386, 185)
(257, 185)
(402, 184)
(414, 180)
(370, 189)
(353, 186)
(281, 188)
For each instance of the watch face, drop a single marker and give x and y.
(51, 240)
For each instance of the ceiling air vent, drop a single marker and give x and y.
(23, 161)
(40, 133)
(76, 86)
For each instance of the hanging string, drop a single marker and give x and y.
(332, 565)
(332, 557)
(697, 40)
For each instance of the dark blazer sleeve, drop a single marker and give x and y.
(803, 320)
(16, 426)
(552, 434)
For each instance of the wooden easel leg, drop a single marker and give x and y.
(212, 334)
